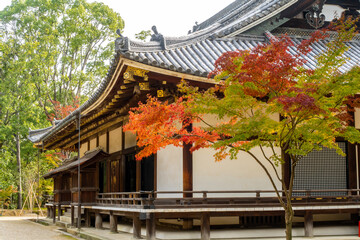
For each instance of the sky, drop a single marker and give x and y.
(172, 18)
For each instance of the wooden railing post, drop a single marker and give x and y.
(308, 195)
(204, 196)
(151, 199)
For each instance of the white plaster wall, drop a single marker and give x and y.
(213, 120)
(169, 171)
(92, 144)
(83, 149)
(115, 140)
(241, 174)
(130, 139)
(102, 141)
(331, 11)
(210, 119)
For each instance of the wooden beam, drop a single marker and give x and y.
(168, 73)
(205, 226)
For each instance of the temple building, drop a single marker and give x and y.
(175, 187)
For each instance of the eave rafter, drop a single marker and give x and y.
(131, 83)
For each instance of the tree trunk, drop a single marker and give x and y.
(18, 159)
(289, 215)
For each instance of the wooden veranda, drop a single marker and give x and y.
(152, 205)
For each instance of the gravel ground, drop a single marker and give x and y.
(20, 228)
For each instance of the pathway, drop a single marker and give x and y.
(20, 228)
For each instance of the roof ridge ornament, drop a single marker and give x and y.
(121, 43)
(314, 17)
(158, 37)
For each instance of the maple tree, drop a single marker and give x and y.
(253, 85)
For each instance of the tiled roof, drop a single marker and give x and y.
(74, 162)
(196, 53)
(241, 15)
(198, 58)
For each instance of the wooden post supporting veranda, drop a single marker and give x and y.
(136, 227)
(98, 220)
(59, 211)
(48, 212)
(309, 224)
(72, 209)
(113, 222)
(205, 226)
(54, 213)
(150, 227)
(87, 217)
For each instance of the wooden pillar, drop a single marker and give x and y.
(122, 163)
(48, 212)
(51, 212)
(138, 176)
(309, 224)
(98, 220)
(187, 179)
(54, 213)
(113, 222)
(187, 170)
(205, 226)
(72, 209)
(59, 211)
(87, 217)
(150, 227)
(136, 227)
(351, 155)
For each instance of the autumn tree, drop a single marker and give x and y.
(253, 85)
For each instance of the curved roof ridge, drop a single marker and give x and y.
(210, 21)
(234, 19)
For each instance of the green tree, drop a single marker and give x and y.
(255, 85)
(143, 35)
(67, 45)
(51, 53)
